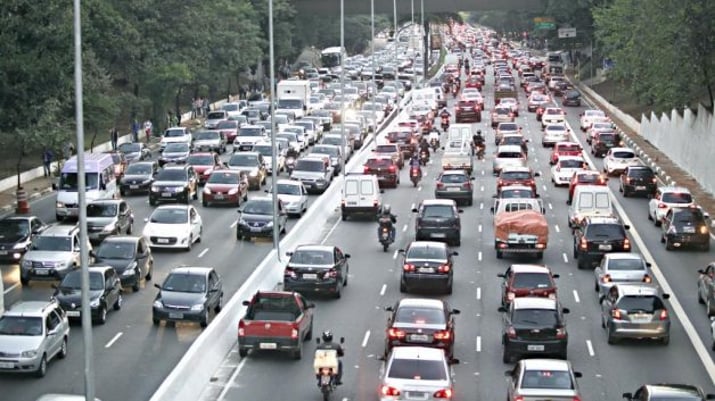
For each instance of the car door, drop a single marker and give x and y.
(512, 382)
(607, 303)
(666, 222)
(339, 263)
(112, 286)
(706, 283)
(53, 341)
(653, 203)
(194, 222)
(506, 280)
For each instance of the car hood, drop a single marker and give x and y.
(174, 139)
(256, 217)
(74, 296)
(15, 238)
(48, 256)
(187, 299)
(100, 221)
(14, 345)
(119, 265)
(288, 199)
(135, 179)
(170, 183)
(220, 187)
(306, 174)
(174, 155)
(165, 230)
(204, 142)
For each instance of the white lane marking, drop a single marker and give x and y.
(394, 255)
(544, 186)
(479, 256)
(479, 292)
(364, 339)
(566, 258)
(419, 188)
(10, 288)
(412, 207)
(481, 188)
(479, 228)
(232, 379)
(383, 289)
(550, 206)
(479, 344)
(556, 227)
(590, 348)
(113, 340)
(576, 297)
(484, 172)
(233, 224)
(535, 159)
(327, 236)
(201, 255)
(481, 205)
(404, 228)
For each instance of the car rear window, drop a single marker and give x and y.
(687, 216)
(417, 315)
(548, 379)
(509, 155)
(607, 137)
(569, 148)
(515, 175)
(626, 264)
(640, 172)
(677, 197)
(417, 369)
(531, 280)
(312, 257)
(378, 162)
(640, 303)
(535, 317)
(385, 149)
(623, 155)
(437, 211)
(571, 163)
(426, 252)
(508, 127)
(610, 231)
(453, 179)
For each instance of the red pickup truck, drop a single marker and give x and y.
(276, 320)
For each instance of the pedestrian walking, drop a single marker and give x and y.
(135, 130)
(113, 137)
(148, 126)
(47, 161)
(193, 108)
(206, 107)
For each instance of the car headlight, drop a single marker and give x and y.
(60, 204)
(109, 228)
(704, 229)
(242, 222)
(26, 263)
(154, 188)
(184, 240)
(253, 173)
(29, 354)
(269, 224)
(20, 245)
(233, 191)
(179, 189)
(158, 303)
(130, 269)
(94, 303)
(207, 191)
(197, 307)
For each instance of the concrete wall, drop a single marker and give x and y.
(688, 140)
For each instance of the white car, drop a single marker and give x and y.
(299, 131)
(420, 110)
(174, 135)
(292, 139)
(266, 150)
(173, 226)
(234, 109)
(317, 101)
(554, 133)
(247, 136)
(617, 159)
(293, 195)
(588, 116)
(665, 198)
(565, 167)
(598, 125)
(553, 115)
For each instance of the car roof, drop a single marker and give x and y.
(191, 270)
(509, 148)
(453, 172)
(602, 220)
(427, 353)
(28, 308)
(673, 189)
(623, 256)
(60, 230)
(175, 167)
(622, 149)
(440, 202)
(175, 206)
(545, 364)
(534, 303)
(637, 289)
(24, 218)
(98, 268)
(566, 143)
(526, 268)
(421, 303)
(427, 244)
(674, 390)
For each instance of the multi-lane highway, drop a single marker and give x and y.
(608, 370)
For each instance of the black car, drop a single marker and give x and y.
(638, 180)
(659, 392)
(438, 219)
(138, 178)
(602, 142)
(130, 257)
(421, 322)
(533, 326)
(16, 235)
(427, 265)
(316, 269)
(571, 98)
(256, 219)
(188, 294)
(178, 183)
(596, 236)
(683, 226)
(105, 291)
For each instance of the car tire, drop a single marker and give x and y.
(149, 272)
(403, 287)
(205, 318)
(668, 245)
(298, 353)
(610, 338)
(188, 246)
(201, 232)
(448, 289)
(203, 202)
(136, 287)
(500, 254)
(596, 286)
(309, 334)
(118, 304)
(42, 369)
(122, 192)
(62, 354)
(24, 281)
(219, 305)
(705, 247)
(102, 318)
(155, 320)
(338, 291)
(665, 340)
(242, 352)
(506, 356)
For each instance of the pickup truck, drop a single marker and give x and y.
(275, 320)
(520, 227)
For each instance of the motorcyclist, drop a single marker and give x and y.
(387, 219)
(291, 152)
(434, 135)
(477, 141)
(444, 112)
(328, 344)
(424, 146)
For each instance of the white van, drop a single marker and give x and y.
(361, 195)
(589, 200)
(100, 183)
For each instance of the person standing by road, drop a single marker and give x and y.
(47, 161)
(147, 129)
(206, 107)
(113, 137)
(135, 130)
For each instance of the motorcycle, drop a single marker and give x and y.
(385, 237)
(290, 165)
(424, 157)
(445, 123)
(325, 364)
(480, 151)
(455, 91)
(415, 175)
(434, 143)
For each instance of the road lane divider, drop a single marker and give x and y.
(113, 340)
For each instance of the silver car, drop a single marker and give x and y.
(209, 141)
(539, 379)
(416, 373)
(31, 334)
(508, 155)
(621, 267)
(635, 311)
(52, 255)
(175, 153)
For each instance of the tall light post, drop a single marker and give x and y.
(342, 84)
(412, 9)
(274, 153)
(372, 44)
(86, 312)
(425, 50)
(394, 11)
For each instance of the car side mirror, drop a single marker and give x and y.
(626, 226)
(146, 219)
(342, 340)
(555, 275)
(628, 396)
(710, 396)
(347, 256)
(460, 210)
(568, 202)
(648, 264)
(501, 309)
(54, 186)
(289, 254)
(491, 209)
(565, 310)
(666, 296)
(501, 275)
(578, 375)
(414, 210)
(92, 253)
(454, 361)
(157, 286)
(239, 211)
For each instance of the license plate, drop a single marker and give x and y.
(689, 230)
(532, 347)
(324, 380)
(176, 315)
(268, 346)
(352, 203)
(426, 270)
(218, 196)
(310, 276)
(42, 272)
(162, 241)
(419, 337)
(454, 189)
(72, 313)
(72, 212)
(7, 365)
(605, 247)
(640, 187)
(438, 235)
(255, 229)
(641, 319)
(416, 395)
(166, 194)
(4, 252)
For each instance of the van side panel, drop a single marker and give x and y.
(361, 196)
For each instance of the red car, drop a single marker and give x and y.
(585, 177)
(527, 281)
(204, 164)
(468, 111)
(513, 175)
(229, 129)
(421, 322)
(473, 82)
(227, 187)
(386, 170)
(565, 149)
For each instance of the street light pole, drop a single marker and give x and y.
(425, 52)
(394, 11)
(342, 86)
(372, 45)
(274, 154)
(412, 9)
(86, 311)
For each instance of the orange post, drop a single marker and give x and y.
(23, 205)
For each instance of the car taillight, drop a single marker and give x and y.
(241, 328)
(560, 332)
(663, 314)
(606, 278)
(662, 206)
(628, 180)
(583, 244)
(443, 394)
(576, 398)
(467, 185)
(440, 185)
(294, 333)
(647, 278)
(510, 332)
(389, 391)
(519, 398)
(366, 170)
(408, 267)
(626, 244)
(442, 335)
(392, 169)
(558, 168)
(616, 313)
(654, 180)
(443, 269)
(288, 272)
(396, 333)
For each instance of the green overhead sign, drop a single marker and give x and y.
(545, 25)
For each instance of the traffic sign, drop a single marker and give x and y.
(567, 33)
(545, 25)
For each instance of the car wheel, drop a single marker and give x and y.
(709, 308)
(218, 306)
(595, 286)
(665, 340)
(203, 202)
(298, 353)
(63, 349)
(205, 318)
(668, 245)
(42, 369)
(403, 287)
(155, 320)
(242, 352)
(188, 246)
(149, 272)
(506, 356)
(705, 247)
(500, 254)
(201, 231)
(309, 334)
(136, 287)
(122, 192)
(347, 273)
(448, 290)
(24, 281)
(130, 228)
(118, 303)
(611, 339)
(102, 318)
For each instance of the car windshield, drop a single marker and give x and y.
(438, 211)
(216, 115)
(170, 216)
(68, 181)
(14, 229)
(531, 280)
(288, 189)
(454, 178)
(52, 243)
(312, 257)
(625, 264)
(243, 159)
(417, 369)
(547, 379)
(139, 169)
(419, 315)
(200, 160)
(535, 317)
(250, 131)
(555, 127)
(688, 216)
(176, 147)
(640, 303)
(508, 127)
(172, 175)
(101, 210)
(623, 155)
(385, 149)
(509, 155)
(116, 250)
(223, 177)
(228, 124)
(230, 107)
(20, 326)
(182, 282)
(677, 197)
(309, 165)
(265, 150)
(570, 163)
(425, 252)
(378, 163)
(290, 137)
(290, 103)
(515, 175)
(260, 207)
(206, 136)
(613, 231)
(332, 140)
(130, 147)
(73, 281)
(174, 133)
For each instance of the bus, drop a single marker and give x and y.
(332, 56)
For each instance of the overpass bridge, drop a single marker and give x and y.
(332, 7)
